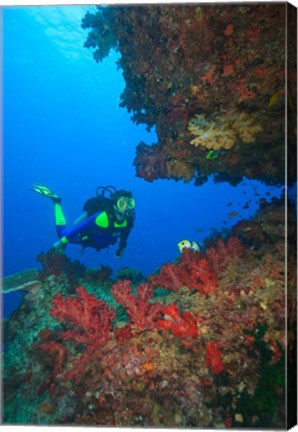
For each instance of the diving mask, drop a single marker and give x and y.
(125, 203)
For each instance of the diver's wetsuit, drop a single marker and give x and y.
(99, 230)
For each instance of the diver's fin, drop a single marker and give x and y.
(45, 191)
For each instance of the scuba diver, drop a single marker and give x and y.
(107, 218)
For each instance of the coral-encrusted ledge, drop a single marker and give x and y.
(200, 343)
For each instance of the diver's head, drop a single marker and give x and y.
(123, 202)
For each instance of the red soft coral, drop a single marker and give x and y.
(213, 357)
(200, 274)
(90, 322)
(123, 334)
(185, 325)
(220, 255)
(170, 278)
(192, 270)
(143, 315)
(53, 361)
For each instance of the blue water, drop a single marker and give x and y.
(63, 127)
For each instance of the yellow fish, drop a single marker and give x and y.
(186, 244)
(273, 100)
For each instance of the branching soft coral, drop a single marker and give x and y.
(211, 134)
(192, 271)
(213, 357)
(168, 278)
(220, 255)
(54, 263)
(89, 323)
(181, 170)
(201, 276)
(143, 315)
(208, 60)
(221, 131)
(101, 36)
(185, 325)
(54, 360)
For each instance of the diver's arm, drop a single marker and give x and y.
(124, 236)
(122, 242)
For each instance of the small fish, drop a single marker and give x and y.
(273, 100)
(200, 230)
(233, 214)
(212, 154)
(186, 244)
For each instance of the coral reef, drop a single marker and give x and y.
(192, 271)
(213, 358)
(218, 64)
(130, 273)
(152, 163)
(200, 343)
(184, 325)
(221, 132)
(212, 135)
(142, 314)
(89, 320)
(56, 263)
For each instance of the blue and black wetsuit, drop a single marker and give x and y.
(99, 230)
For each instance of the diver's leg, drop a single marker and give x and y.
(61, 227)
(62, 230)
(81, 218)
(59, 216)
(60, 220)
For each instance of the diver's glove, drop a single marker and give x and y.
(119, 252)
